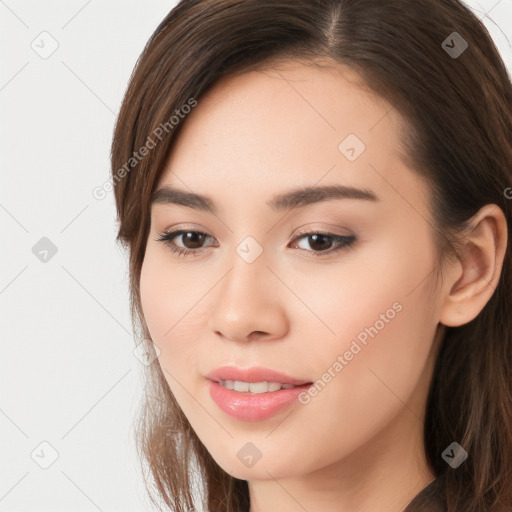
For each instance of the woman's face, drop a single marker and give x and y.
(327, 288)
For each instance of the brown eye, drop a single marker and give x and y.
(320, 242)
(192, 241)
(323, 243)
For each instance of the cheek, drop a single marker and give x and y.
(171, 305)
(366, 293)
(384, 325)
(166, 295)
(385, 329)
(155, 295)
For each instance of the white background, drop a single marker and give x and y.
(68, 373)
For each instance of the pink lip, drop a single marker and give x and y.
(257, 407)
(253, 407)
(254, 374)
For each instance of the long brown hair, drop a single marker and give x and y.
(458, 107)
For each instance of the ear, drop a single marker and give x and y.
(472, 279)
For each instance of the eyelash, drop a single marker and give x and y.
(345, 242)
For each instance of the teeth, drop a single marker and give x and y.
(254, 387)
(227, 383)
(241, 386)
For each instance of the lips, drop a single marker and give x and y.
(254, 374)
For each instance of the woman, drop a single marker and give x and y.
(370, 372)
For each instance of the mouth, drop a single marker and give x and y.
(256, 379)
(257, 388)
(264, 401)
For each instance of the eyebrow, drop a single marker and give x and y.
(287, 201)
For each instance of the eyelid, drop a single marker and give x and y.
(312, 229)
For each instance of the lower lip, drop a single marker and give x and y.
(253, 407)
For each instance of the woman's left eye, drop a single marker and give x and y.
(339, 242)
(315, 239)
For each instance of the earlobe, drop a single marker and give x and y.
(468, 292)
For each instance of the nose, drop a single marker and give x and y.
(249, 303)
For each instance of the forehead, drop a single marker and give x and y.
(284, 126)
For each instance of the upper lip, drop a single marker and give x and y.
(254, 374)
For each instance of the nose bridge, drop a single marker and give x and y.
(245, 301)
(248, 274)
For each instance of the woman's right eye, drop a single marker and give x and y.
(193, 238)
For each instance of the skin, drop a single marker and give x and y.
(358, 444)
